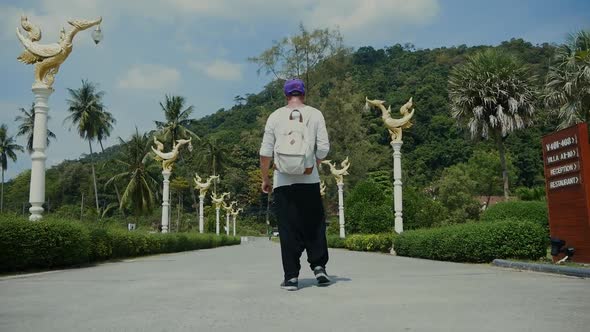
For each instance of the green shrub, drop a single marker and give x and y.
(368, 209)
(53, 243)
(530, 194)
(475, 242)
(25, 245)
(333, 226)
(369, 242)
(334, 241)
(101, 246)
(456, 190)
(362, 242)
(420, 211)
(250, 226)
(535, 211)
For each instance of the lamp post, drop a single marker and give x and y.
(47, 59)
(234, 214)
(219, 202)
(167, 159)
(203, 186)
(228, 211)
(339, 176)
(395, 127)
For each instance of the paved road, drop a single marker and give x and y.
(236, 289)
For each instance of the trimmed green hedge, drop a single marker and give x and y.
(26, 245)
(475, 242)
(362, 242)
(334, 241)
(535, 211)
(48, 244)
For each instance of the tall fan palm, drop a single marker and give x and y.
(492, 95)
(87, 115)
(177, 119)
(26, 126)
(568, 82)
(8, 148)
(139, 192)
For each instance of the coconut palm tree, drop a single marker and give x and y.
(213, 158)
(177, 119)
(87, 115)
(176, 125)
(138, 195)
(105, 125)
(8, 148)
(492, 95)
(568, 82)
(26, 126)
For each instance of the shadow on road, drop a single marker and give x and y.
(312, 282)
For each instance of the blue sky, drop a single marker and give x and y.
(198, 49)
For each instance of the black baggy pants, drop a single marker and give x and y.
(302, 226)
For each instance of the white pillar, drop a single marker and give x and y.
(217, 220)
(201, 222)
(341, 208)
(165, 200)
(227, 222)
(234, 225)
(397, 186)
(38, 157)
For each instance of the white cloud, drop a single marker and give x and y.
(150, 77)
(358, 20)
(49, 15)
(220, 70)
(370, 16)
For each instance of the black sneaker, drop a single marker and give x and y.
(321, 276)
(290, 285)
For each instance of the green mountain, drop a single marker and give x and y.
(342, 81)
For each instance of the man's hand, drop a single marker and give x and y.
(266, 187)
(264, 167)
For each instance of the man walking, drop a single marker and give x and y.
(295, 136)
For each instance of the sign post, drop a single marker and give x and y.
(566, 156)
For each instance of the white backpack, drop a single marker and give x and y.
(292, 143)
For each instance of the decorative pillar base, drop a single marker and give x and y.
(38, 157)
(201, 218)
(397, 185)
(165, 200)
(227, 224)
(341, 209)
(217, 221)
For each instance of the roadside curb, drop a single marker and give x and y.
(565, 270)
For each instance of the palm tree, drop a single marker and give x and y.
(87, 114)
(213, 157)
(139, 192)
(177, 119)
(568, 81)
(8, 147)
(176, 125)
(105, 125)
(26, 126)
(492, 95)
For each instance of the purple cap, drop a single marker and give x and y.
(294, 87)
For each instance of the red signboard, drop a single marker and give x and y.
(566, 156)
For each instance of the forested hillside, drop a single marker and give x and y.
(230, 138)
